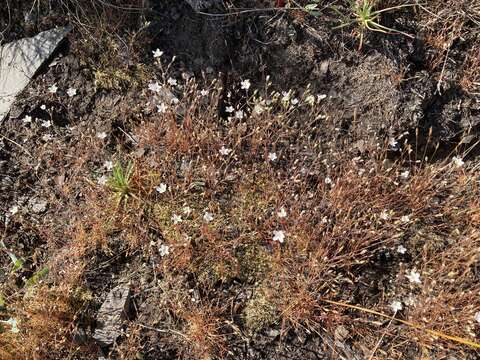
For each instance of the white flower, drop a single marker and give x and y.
(229, 109)
(310, 100)
(207, 216)
(272, 156)
(71, 92)
(102, 180)
(457, 161)
(295, 101)
(384, 215)
(282, 213)
(258, 109)
(46, 123)
(401, 249)
(164, 250)
(161, 108)
(13, 325)
(405, 218)
(43, 107)
(204, 92)
(172, 82)
(285, 96)
(108, 165)
(175, 100)
(187, 210)
(392, 143)
(328, 181)
(414, 277)
(396, 306)
(161, 188)
(53, 89)
(225, 151)
(157, 53)
(405, 174)
(176, 219)
(239, 114)
(13, 210)
(477, 316)
(102, 135)
(278, 235)
(154, 86)
(47, 137)
(27, 119)
(321, 97)
(245, 84)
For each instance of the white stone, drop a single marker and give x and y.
(20, 60)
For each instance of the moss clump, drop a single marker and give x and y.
(260, 312)
(254, 262)
(111, 78)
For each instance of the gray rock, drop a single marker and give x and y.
(111, 315)
(20, 60)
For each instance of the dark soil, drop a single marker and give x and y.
(385, 90)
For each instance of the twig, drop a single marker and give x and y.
(15, 143)
(434, 333)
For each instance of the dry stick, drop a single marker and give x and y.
(408, 323)
(15, 143)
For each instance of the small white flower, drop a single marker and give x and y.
(161, 108)
(239, 114)
(71, 92)
(295, 101)
(102, 180)
(187, 210)
(310, 100)
(172, 82)
(229, 109)
(477, 316)
(328, 181)
(278, 235)
(157, 53)
(108, 165)
(46, 124)
(401, 249)
(47, 137)
(282, 213)
(321, 97)
(161, 188)
(258, 109)
(176, 219)
(285, 96)
(404, 175)
(207, 216)
(392, 143)
(102, 135)
(414, 277)
(405, 218)
(457, 161)
(204, 92)
(164, 250)
(43, 107)
(154, 86)
(13, 325)
(175, 100)
(53, 89)
(224, 151)
(246, 84)
(396, 306)
(384, 215)
(272, 156)
(13, 210)
(27, 119)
